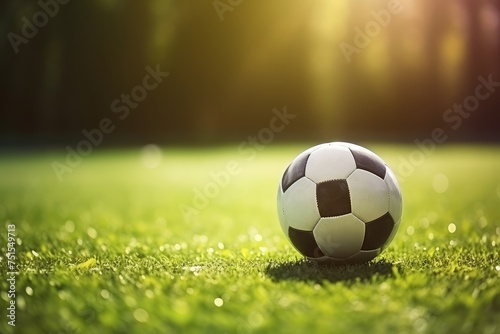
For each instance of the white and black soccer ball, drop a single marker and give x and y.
(339, 202)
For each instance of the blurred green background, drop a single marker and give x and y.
(231, 62)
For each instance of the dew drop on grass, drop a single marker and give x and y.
(452, 228)
(195, 269)
(497, 268)
(29, 291)
(218, 302)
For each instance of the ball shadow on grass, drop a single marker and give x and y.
(308, 271)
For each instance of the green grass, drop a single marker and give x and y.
(108, 251)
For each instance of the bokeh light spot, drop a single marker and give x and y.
(105, 294)
(92, 232)
(452, 228)
(69, 226)
(151, 156)
(440, 183)
(141, 315)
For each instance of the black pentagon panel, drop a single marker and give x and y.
(369, 161)
(295, 171)
(305, 243)
(333, 198)
(377, 232)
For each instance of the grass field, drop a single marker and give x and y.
(108, 250)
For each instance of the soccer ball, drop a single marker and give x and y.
(340, 203)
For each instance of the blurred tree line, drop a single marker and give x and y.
(231, 62)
